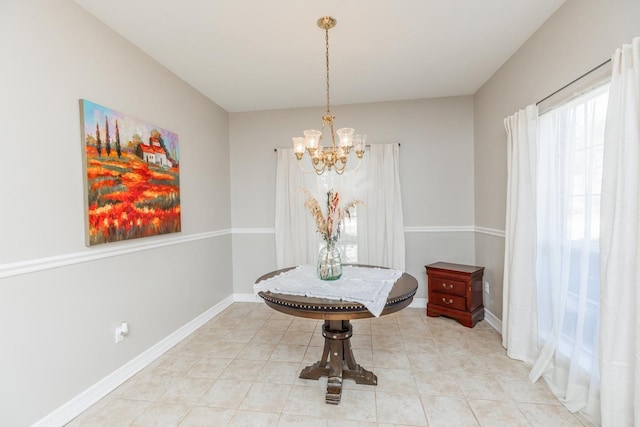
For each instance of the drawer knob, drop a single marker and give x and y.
(447, 286)
(447, 301)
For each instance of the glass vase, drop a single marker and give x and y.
(329, 262)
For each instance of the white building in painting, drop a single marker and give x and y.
(153, 152)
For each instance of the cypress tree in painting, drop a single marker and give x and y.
(164, 147)
(108, 139)
(118, 148)
(98, 142)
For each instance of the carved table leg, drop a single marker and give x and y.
(338, 335)
(337, 361)
(318, 369)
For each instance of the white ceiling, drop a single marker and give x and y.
(249, 55)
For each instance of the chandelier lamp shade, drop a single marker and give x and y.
(335, 156)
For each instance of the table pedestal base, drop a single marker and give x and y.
(337, 361)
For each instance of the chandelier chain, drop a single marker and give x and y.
(326, 39)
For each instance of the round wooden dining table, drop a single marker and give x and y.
(337, 361)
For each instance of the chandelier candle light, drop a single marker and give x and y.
(334, 156)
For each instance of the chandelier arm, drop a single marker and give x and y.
(319, 166)
(358, 165)
(303, 169)
(344, 167)
(318, 171)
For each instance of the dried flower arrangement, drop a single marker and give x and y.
(329, 227)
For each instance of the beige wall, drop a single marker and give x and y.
(436, 159)
(59, 322)
(579, 36)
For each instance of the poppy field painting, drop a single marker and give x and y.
(132, 180)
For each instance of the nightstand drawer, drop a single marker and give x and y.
(448, 286)
(448, 300)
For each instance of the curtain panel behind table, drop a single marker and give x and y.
(381, 224)
(296, 243)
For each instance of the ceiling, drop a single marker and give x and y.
(251, 55)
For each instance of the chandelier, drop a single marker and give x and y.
(333, 156)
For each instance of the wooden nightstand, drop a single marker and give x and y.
(455, 291)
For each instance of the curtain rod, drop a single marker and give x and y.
(365, 146)
(573, 81)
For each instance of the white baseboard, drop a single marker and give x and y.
(418, 303)
(493, 321)
(246, 298)
(93, 394)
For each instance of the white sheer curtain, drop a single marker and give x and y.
(551, 282)
(570, 141)
(296, 243)
(620, 245)
(380, 220)
(380, 235)
(519, 321)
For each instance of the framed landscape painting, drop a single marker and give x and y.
(132, 176)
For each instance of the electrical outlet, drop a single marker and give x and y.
(122, 331)
(487, 287)
(119, 334)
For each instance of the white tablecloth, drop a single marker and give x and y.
(365, 285)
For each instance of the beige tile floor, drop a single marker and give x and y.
(241, 369)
